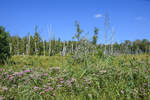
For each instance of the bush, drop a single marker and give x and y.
(4, 45)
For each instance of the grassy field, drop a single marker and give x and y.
(124, 77)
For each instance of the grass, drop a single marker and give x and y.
(124, 77)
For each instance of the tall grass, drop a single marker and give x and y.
(123, 77)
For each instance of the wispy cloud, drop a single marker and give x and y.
(98, 16)
(139, 18)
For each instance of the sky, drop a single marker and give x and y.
(130, 19)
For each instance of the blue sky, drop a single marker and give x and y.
(129, 18)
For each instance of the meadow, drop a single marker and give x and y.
(123, 77)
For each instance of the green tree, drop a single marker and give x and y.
(79, 31)
(95, 37)
(37, 40)
(4, 45)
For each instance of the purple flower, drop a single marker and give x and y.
(45, 74)
(27, 71)
(68, 82)
(11, 78)
(20, 74)
(41, 92)
(7, 76)
(73, 80)
(46, 90)
(51, 89)
(61, 81)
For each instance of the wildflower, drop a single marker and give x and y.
(46, 90)
(51, 89)
(4, 88)
(68, 82)
(20, 74)
(73, 80)
(45, 74)
(36, 88)
(7, 76)
(145, 84)
(27, 71)
(61, 81)
(11, 78)
(41, 92)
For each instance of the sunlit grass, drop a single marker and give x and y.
(123, 77)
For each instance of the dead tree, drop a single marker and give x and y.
(106, 23)
(49, 31)
(112, 39)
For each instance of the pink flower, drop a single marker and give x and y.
(7, 76)
(46, 74)
(11, 78)
(73, 80)
(20, 74)
(46, 90)
(36, 88)
(41, 92)
(27, 71)
(51, 89)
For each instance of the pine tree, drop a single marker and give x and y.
(4, 45)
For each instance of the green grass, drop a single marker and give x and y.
(124, 77)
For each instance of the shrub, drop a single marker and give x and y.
(4, 45)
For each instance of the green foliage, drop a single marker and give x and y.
(95, 37)
(4, 45)
(79, 31)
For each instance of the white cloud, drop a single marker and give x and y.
(139, 18)
(98, 15)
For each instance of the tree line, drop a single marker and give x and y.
(34, 45)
